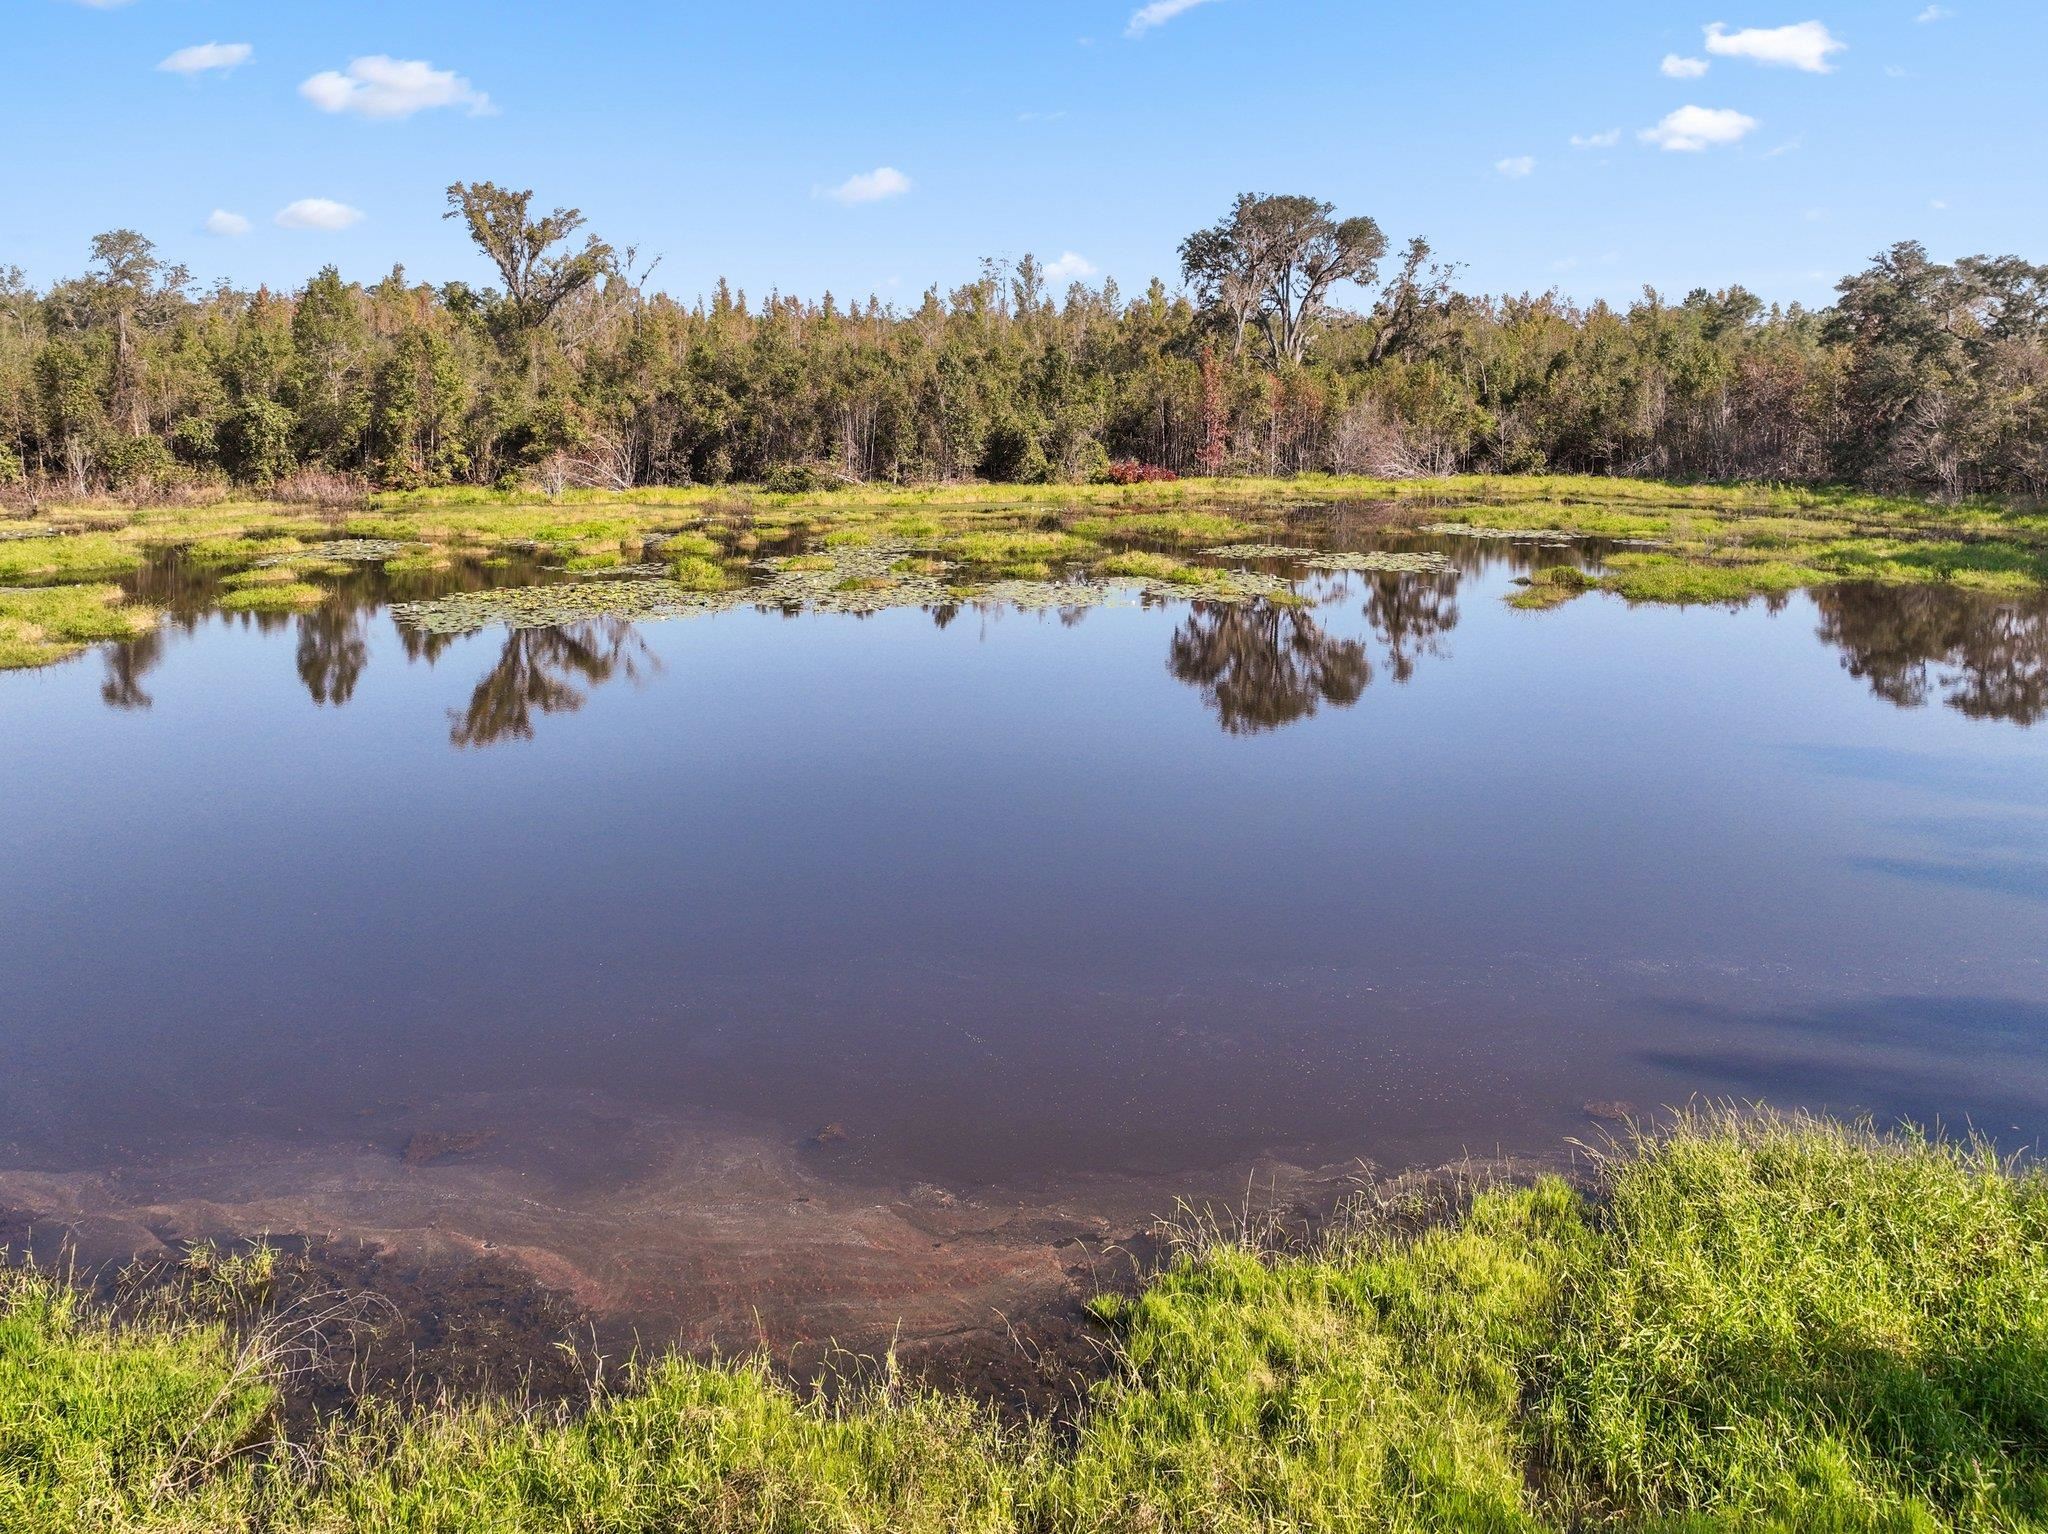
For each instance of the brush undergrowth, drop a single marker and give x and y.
(1748, 1322)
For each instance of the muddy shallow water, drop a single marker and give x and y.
(758, 976)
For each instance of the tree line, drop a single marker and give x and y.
(1294, 341)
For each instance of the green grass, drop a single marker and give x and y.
(72, 557)
(286, 597)
(696, 573)
(1746, 1323)
(1181, 527)
(1016, 547)
(42, 625)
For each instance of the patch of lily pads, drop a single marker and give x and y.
(1398, 561)
(853, 579)
(1541, 537)
(364, 551)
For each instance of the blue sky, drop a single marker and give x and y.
(717, 134)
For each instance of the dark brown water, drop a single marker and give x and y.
(1015, 897)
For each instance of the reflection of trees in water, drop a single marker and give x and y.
(1410, 614)
(127, 663)
(1261, 666)
(333, 651)
(547, 671)
(1984, 657)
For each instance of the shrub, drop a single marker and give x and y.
(1129, 471)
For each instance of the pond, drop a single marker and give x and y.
(757, 972)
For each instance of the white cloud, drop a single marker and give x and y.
(1678, 67)
(1069, 268)
(882, 182)
(1940, 205)
(318, 213)
(1515, 166)
(377, 86)
(1934, 13)
(1692, 129)
(1157, 14)
(1805, 45)
(1605, 140)
(229, 226)
(207, 58)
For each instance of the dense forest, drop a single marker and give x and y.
(1293, 341)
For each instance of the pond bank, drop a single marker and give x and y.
(1744, 1323)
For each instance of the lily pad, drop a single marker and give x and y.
(367, 551)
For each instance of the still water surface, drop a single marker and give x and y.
(1017, 896)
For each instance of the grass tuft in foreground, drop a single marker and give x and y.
(1747, 1323)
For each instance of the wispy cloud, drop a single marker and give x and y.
(1157, 14)
(1934, 13)
(1605, 140)
(1806, 45)
(1689, 130)
(1069, 268)
(1041, 117)
(1516, 166)
(1679, 67)
(876, 185)
(318, 213)
(383, 87)
(207, 58)
(229, 226)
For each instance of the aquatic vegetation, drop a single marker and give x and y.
(290, 596)
(1399, 561)
(1712, 543)
(1182, 527)
(682, 545)
(367, 551)
(1157, 567)
(1552, 586)
(1018, 546)
(265, 574)
(1748, 1322)
(1259, 551)
(71, 557)
(40, 625)
(525, 607)
(1541, 537)
(1669, 578)
(419, 562)
(693, 572)
(231, 551)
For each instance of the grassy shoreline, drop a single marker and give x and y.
(1655, 542)
(1746, 1322)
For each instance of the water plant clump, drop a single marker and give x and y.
(365, 551)
(281, 597)
(40, 625)
(1259, 551)
(549, 606)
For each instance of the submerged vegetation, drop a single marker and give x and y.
(1743, 1322)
